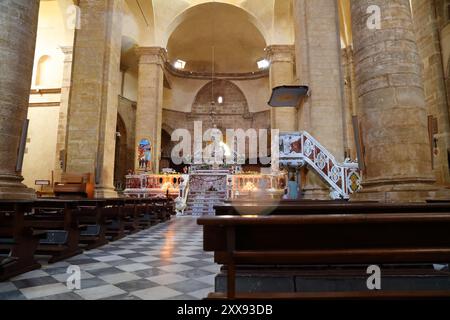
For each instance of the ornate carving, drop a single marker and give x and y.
(300, 148)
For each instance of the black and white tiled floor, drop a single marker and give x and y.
(166, 261)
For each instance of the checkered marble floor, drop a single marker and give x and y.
(164, 262)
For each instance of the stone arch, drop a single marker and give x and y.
(187, 13)
(167, 128)
(121, 152)
(283, 22)
(234, 100)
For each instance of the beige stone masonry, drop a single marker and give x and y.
(391, 104)
(18, 26)
(94, 94)
(428, 41)
(150, 100)
(64, 106)
(318, 65)
(282, 66)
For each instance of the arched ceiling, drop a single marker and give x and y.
(217, 32)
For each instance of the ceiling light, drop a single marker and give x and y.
(179, 64)
(220, 100)
(263, 64)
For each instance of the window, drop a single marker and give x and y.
(179, 64)
(263, 64)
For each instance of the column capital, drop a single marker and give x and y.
(67, 49)
(151, 55)
(280, 53)
(68, 53)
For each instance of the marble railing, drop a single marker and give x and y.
(153, 184)
(239, 185)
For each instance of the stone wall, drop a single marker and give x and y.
(41, 145)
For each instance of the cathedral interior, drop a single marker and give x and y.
(110, 111)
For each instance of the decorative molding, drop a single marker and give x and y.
(217, 76)
(152, 55)
(44, 104)
(281, 53)
(46, 91)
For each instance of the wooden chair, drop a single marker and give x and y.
(327, 239)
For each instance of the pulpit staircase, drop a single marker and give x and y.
(298, 149)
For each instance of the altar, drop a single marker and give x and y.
(197, 192)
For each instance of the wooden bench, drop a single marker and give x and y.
(92, 214)
(130, 215)
(146, 212)
(302, 208)
(18, 243)
(59, 220)
(327, 239)
(77, 185)
(115, 222)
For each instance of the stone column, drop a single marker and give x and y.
(60, 161)
(281, 59)
(150, 101)
(428, 41)
(91, 134)
(391, 104)
(318, 65)
(18, 27)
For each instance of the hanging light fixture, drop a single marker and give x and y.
(213, 54)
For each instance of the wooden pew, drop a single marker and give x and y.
(303, 208)
(59, 219)
(330, 239)
(78, 185)
(115, 222)
(18, 243)
(147, 216)
(164, 208)
(130, 215)
(92, 214)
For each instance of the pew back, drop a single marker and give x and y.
(332, 239)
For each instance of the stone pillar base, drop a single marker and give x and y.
(11, 187)
(414, 192)
(315, 188)
(315, 193)
(104, 192)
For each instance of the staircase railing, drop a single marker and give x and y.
(300, 148)
(181, 200)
